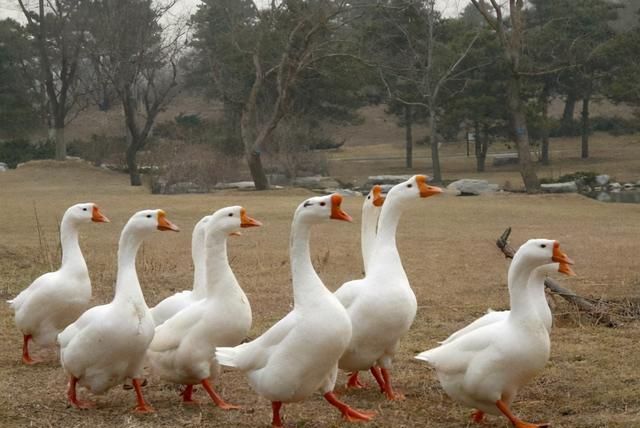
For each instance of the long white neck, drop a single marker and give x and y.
(219, 276)
(72, 259)
(538, 297)
(385, 253)
(370, 214)
(307, 285)
(198, 256)
(518, 279)
(127, 284)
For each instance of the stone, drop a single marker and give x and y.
(344, 192)
(3, 167)
(183, 187)
(505, 159)
(466, 187)
(243, 185)
(387, 179)
(602, 179)
(316, 182)
(628, 186)
(278, 179)
(566, 187)
(615, 187)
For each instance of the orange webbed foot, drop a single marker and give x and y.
(83, 404)
(354, 383)
(352, 415)
(143, 408)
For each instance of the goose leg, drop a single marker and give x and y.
(186, 395)
(502, 406)
(388, 389)
(275, 407)
(477, 416)
(349, 413)
(73, 398)
(26, 358)
(375, 371)
(142, 406)
(354, 382)
(216, 397)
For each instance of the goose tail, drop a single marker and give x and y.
(227, 356)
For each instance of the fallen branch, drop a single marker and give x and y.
(593, 310)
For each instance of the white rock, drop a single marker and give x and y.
(566, 187)
(387, 179)
(316, 182)
(3, 167)
(235, 185)
(468, 186)
(602, 179)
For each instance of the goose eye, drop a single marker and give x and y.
(322, 204)
(369, 197)
(84, 209)
(148, 215)
(543, 245)
(409, 185)
(230, 214)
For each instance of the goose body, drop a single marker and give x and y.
(382, 305)
(107, 344)
(56, 299)
(486, 367)
(298, 355)
(535, 286)
(178, 301)
(182, 350)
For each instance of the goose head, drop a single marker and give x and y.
(86, 213)
(229, 219)
(415, 187)
(321, 208)
(146, 221)
(374, 198)
(539, 252)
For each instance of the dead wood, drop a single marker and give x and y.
(594, 310)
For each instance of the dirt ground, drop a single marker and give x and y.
(447, 247)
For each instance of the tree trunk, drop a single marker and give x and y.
(482, 145)
(257, 171)
(435, 154)
(61, 145)
(519, 128)
(585, 126)
(567, 114)
(408, 136)
(132, 165)
(544, 100)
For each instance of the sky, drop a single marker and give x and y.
(11, 8)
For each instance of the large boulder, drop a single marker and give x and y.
(386, 179)
(242, 185)
(566, 187)
(316, 182)
(467, 187)
(602, 179)
(3, 167)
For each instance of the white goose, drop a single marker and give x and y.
(298, 355)
(382, 305)
(183, 347)
(175, 303)
(486, 367)
(538, 299)
(55, 299)
(107, 344)
(368, 228)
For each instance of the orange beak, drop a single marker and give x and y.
(566, 269)
(165, 224)
(559, 256)
(378, 199)
(97, 216)
(425, 189)
(336, 211)
(246, 221)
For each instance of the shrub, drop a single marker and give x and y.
(13, 152)
(100, 149)
(615, 125)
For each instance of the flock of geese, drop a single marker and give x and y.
(185, 338)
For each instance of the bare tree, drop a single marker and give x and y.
(510, 33)
(58, 32)
(141, 64)
(280, 44)
(425, 71)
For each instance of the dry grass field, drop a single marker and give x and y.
(447, 246)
